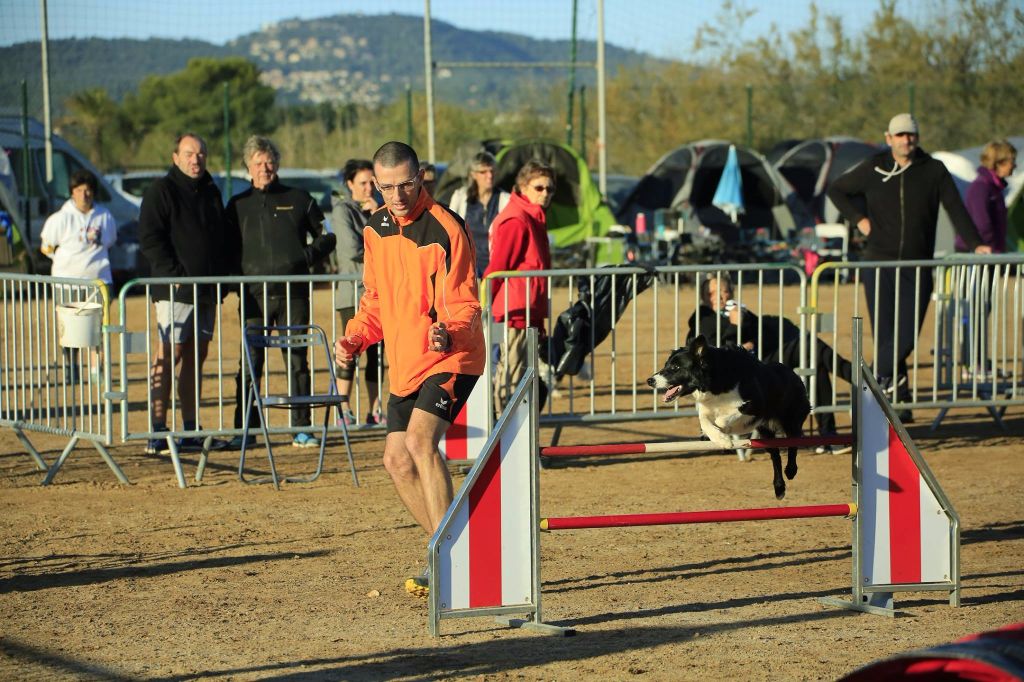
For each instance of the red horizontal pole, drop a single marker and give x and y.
(712, 516)
(580, 450)
(688, 446)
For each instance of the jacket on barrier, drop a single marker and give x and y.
(417, 270)
(268, 232)
(182, 231)
(519, 241)
(902, 205)
(582, 327)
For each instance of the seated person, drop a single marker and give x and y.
(718, 313)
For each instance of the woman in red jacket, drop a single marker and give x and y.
(519, 242)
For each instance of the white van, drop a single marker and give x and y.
(47, 198)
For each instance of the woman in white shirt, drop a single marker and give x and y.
(78, 238)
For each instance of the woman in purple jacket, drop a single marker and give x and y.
(987, 207)
(985, 201)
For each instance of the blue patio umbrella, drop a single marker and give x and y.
(729, 193)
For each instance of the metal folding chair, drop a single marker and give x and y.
(257, 340)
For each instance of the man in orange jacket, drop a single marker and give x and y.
(421, 299)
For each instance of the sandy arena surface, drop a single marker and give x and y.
(103, 581)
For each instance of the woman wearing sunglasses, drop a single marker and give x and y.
(519, 241)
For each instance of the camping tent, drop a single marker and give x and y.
(577, 210)
(686, 178)
(812, 165)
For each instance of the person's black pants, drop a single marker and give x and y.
(823, 374)
(276, 313)
(897, 325)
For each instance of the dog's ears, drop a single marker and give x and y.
(698, 345)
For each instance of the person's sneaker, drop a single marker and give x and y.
(305, 440)
(347, 417)
(419, 586)
(236, 442)
(833, 449)
(191, 444)
(157, 446)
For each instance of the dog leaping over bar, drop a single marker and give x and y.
(737, 395)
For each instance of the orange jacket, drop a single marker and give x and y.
(418, 270)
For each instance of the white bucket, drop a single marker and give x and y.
(79, 324)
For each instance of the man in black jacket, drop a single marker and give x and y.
(893, 198)
(181, 233)
(268, 227)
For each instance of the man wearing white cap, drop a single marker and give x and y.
(901, 190)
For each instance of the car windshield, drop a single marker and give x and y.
(137, 186)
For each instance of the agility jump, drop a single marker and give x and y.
(485, 557)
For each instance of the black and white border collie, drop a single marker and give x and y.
(737, 395)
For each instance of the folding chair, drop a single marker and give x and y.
(296, 337)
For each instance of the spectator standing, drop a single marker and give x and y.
(268, 226)
(429, 176)
(986, 204)
(986, 201)
(421, 298)
(478, 204)
(182, 234)
(349, 216)
(520, 242)
(78, 238)
(902, 189)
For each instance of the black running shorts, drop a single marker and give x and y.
(442, 395)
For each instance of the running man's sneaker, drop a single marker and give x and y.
(420, 585)
(305, 440)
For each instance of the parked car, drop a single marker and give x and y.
(45, 198)
(319, 183)
(133, 184)
(239, 183)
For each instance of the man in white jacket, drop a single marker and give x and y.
(78, 237)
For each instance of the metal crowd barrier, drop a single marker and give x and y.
(971, 317)
(55, 364)
(613, 383)
(969, 355)
(222, 363)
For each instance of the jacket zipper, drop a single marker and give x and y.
(903, 219)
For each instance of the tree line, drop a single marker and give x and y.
(959, 73)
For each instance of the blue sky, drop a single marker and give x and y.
(664, 28)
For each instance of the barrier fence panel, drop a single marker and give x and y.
(160, 407)
(609, 329)
(950, 330)
(55, 364)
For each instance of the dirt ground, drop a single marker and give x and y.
(227, 581)
(146, 581)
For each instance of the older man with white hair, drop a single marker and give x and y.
(268, 226)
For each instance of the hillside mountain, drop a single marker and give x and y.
(331, 59)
